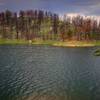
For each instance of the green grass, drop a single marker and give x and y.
(15, 41)
(97, 43)
(71, 43)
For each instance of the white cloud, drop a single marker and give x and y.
(71, 15)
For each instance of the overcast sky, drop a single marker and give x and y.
(87, 7)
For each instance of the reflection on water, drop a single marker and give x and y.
(48, 73)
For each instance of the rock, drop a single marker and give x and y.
(97, 53)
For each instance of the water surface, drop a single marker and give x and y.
(49, 73)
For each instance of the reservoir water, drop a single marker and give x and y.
(49, 73)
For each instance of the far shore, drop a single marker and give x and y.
(67, 43)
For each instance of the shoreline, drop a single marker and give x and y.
(70, 43)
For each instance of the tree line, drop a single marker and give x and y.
(32, 24)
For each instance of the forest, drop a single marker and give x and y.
(32, 24)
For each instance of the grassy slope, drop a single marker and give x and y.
(53, 43)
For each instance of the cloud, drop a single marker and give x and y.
(84, 2)
(1, 4)
(88, 7)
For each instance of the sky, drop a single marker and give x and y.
(86, 7)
